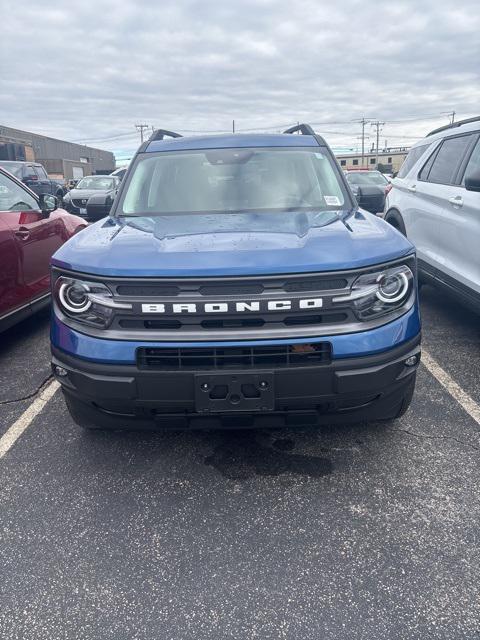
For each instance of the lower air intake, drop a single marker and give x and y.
(290, 355)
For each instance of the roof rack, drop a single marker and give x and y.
(304, 129)
(160, 134)
(452, 125)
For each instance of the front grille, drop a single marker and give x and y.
(146, 290)
(240, 309)
(185, 323)
(80, 203)
(319, 284)
(288, 355)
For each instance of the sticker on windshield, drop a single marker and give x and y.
(332, 201)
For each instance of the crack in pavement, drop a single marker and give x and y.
(30, 395)
(424, 435)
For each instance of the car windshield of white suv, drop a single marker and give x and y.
(100, 183)
(232, 181)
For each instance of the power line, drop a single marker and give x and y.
(413, 118)
(112, 137)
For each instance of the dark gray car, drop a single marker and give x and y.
(369, 188)
(77, 199)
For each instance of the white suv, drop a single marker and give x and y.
(435, 202)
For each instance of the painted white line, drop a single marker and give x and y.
(18, 427)
(454, 389)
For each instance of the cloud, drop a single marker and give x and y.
(91, 71)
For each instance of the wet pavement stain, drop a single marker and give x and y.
(241, 456)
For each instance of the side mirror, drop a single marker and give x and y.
(472, 181)
(48, 203)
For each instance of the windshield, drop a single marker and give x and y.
(369, 177)
(96, 182)
(14, 168)
(232, 181)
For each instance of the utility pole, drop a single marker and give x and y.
(450, 114)
(363, 122)
(377, 124)
(141, 127)
(363, 137)
(233, 126)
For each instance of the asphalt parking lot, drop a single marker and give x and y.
(359, 532)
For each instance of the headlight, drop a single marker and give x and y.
(380, 292)
(87, 302)
(73, 296)
(393, 287)
(67, 197)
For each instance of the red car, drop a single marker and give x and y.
(31, 230)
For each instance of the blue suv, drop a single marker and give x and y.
(235, 283)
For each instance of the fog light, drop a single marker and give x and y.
(60, 371)
(411, 361)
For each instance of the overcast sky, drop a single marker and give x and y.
(89, 71)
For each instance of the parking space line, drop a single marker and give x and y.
(18, 427)
(454, 389)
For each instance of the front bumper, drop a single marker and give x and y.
(347, 389)
(71, 208)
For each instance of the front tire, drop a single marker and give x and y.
(79, 415)
(407, 398)
(395, 219)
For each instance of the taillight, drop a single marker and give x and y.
(388, 188)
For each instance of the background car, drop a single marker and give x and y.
(120, 173)
(435, 202)
(72, 183)
(34, 176)
(32, 228)
(369, 188)
(77, 199)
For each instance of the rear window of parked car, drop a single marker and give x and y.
(473, 165)
(413, 156)
(442, 165)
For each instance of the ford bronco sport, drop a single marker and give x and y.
(235, 283)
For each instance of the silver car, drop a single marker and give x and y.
(435, 202)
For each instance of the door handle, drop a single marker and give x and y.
(22, 233)
(457, 201)
(412, 188)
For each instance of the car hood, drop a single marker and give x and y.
(80, 194)
(232, 244)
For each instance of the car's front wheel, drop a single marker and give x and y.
(394, 218)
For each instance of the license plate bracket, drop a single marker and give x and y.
(227, 392)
